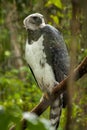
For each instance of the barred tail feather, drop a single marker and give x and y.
(55, 111)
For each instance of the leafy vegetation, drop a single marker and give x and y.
(19, 92)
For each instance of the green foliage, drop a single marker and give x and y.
(16, 96)
(33, 122)
(57, 3)
(8, 116)
(16, 92)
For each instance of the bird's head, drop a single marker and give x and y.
(34, 21)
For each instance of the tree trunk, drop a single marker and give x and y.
(15, 47)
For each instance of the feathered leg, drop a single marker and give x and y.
(55, 111)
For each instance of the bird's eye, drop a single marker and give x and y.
(35, 17)
(37, 20)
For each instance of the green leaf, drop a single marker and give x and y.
(57, 3)
(55, 19)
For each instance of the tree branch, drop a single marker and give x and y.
(60, 88)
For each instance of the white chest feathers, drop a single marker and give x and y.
(36, 58)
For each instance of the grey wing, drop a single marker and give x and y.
(61, 67)
(60, 62)
(60, 57)
(56, 51)
(57, 56)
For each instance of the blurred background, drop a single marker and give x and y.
(18, 90)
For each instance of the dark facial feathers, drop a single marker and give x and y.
(37, 20)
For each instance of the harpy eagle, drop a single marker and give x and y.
(47, 56)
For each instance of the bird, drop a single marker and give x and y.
(47, 56)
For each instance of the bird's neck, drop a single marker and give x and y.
(34, 34)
